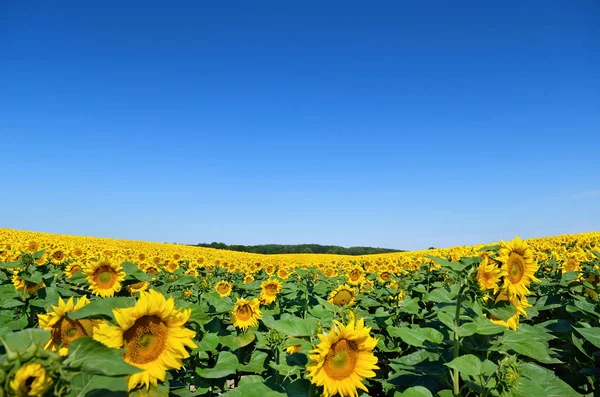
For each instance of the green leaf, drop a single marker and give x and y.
(527, 345)
(445, 295)
(416, 391)
(134, 273)
(457, 267)
(503, 310)
(256, 363)
(486, 327)
(235, 342)
(160, 390)
(94, 358)
(11, 265)
(416, 336)
(227, 364)
(592, 335)
(290, 325)
(472, 365)
(184, 280)
(100, 308)
(545, 378)
(253, 389)
(86, 385)
(208, 343)
(21, 340)
(35, 277)
(494, 247)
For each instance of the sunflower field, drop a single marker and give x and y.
(85, 316)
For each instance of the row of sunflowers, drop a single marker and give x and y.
(85, 316)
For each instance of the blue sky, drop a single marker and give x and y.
(395, 124)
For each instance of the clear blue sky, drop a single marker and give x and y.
(397, 124)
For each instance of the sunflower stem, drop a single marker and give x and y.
(456, 374)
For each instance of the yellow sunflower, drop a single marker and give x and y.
(21, 284)
(31, 380)
(283, 273)
(104, 277)
(246, 313)
(153, 335)
(171, 266)
(355, 276)
(151, 269)
(248, 279)
(343, 359)
(384, 277)
(73, 268)
(520, 303)
(571, 264)
(63, 329)
(33, 246)
(488, 275)
(342, 295)
(191, 272)
(138, 287)
(519, 266)
(269, 291)
(224, 288)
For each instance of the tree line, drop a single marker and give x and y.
(271, 249)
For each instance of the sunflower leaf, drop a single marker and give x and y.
(227, 364)
(100, 308)
(93, 357)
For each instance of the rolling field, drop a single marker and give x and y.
(86, 316)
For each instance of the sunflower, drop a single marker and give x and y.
(151, 269)
(73, 268)
(104, 277)
(138, 287)
(31, 380)
(248, 279)
(356, 275)
(224, 288)
(33, 246)
(519, 266)
(520, 303)
(153, 335)
(171, 266)
(342, 295)
(342, 359)
(594, 281)
(571, 264)
(488, 275)
(384, 277)
(270, 269)
(283, 273)
(63, 329)
(269, 291)
(246, 313)
(58, 256)
(191, 272)
(21, 284)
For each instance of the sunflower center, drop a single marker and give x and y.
(244, 313)
(271, 290)
(222, 289)
(354, 275)
(146, 340)
(516, 267)
(340, 362)
(67, 330)
(342, 298)
(105, 277)
(571, 265)
(385, 276)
